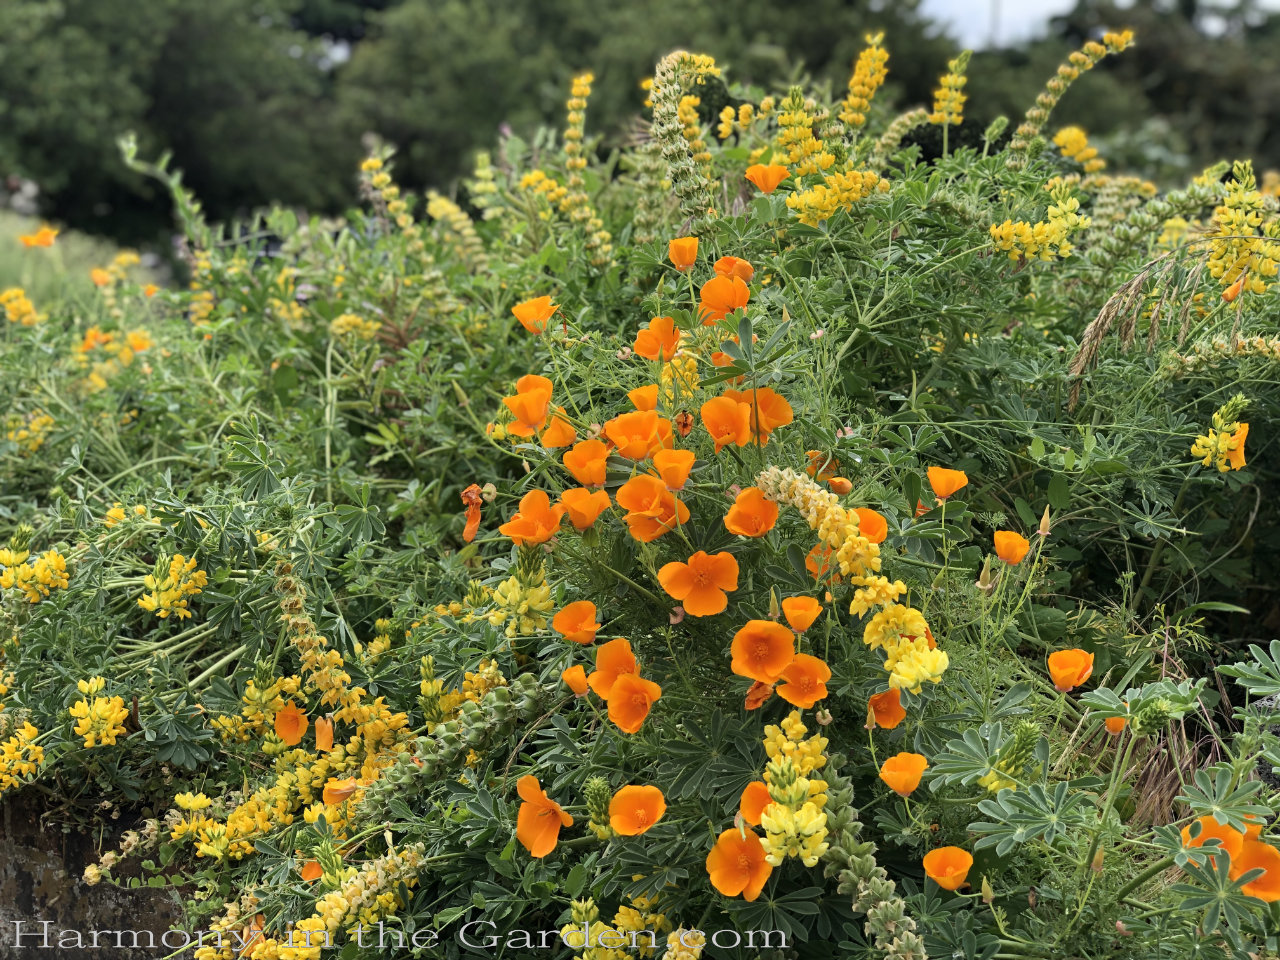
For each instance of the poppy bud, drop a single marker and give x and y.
(775, 610)
(488, 492)
(1044, 522)
(1233, 291)
(840, 485)
(1096, 865)
(986, 582)
(988, 894)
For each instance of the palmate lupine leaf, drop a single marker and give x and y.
(1036, 813)
(1221, 797)
(1262, 677)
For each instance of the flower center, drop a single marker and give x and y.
(761, 650)
(744, 861)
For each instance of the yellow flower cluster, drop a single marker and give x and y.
(794, 823)
(438, 706)
(1046, 240)
(170, 586)
(380, 643)
(461, 231)
(869, 73)
(729, 118)
(483, 188)
(838, 191)
(353, 325)
(35, 580)
(685, 944)
(18, 308)
(1074, 144)
(575, 204)
(100, 720)
(837, 528)
(20, 757)
(679, 377)
(641, 923)
(107, 353)
(322, 667)
(1239, 253)
(1223, 445)
(201, 300)
(911, 655)
(29, 431)
(804, 152)
(523, 600)
(590, 937)
(949, 98)
(117, 514)
(377, 185)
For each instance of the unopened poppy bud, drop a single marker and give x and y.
(1233, 291)
(840, 485)
(1096, 866)
(986, 582)
(988, 894)
(1044, 522)
(488, 492)
(775, 609)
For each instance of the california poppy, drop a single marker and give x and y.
(324, 734)
(99, 277)
(1115, 725)
(769, 410)
(767, 178)
(534, 314)
(43, 237)
(1070, 668)
(819, 563)
(902, 772)
(948, 866)
(613, 659)
(752, 514)
(634, 434)
(587, 461)
(575, 679)
(583, 506)
(471, 499)
(758, 695)
(755, 798)
(1256, 855)
(871, 524)
(702, 583)
(762, 650)
(946, 482)
(840, 485)
(1228, 837)
(529, 405)
(540, 818)
(644, 398)
(822, 466)
(336, 791)
(885, 709)
(633, 810)
(1233, 291)
(721, 296)
(683, 252)
(648, 527)
(735, 267)
(801, 612)
(291, 724)
(577, 621)
(659, 340)
(727, 420)
(673, 467)
(1235, 456)
(630, 699)
(685, 422)
(737, 865)
(1010, 547)
(804, 681)
(311, 870)
(559, 433)
(652, 509)
(535, 522)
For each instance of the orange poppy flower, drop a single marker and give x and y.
(948, 866)
(769, 410)
(727, 420)
(755, 799)
(1115, 725)
(559, 432)
(752, 514)
(583, 506)
(644, 398)
(587, 462)
(576, 680)
(840, 485)
(577, 621)
(1070, 668)
(1256, 855)
(534, 314)
(540, 818)
(872, 525)
(762, 650)
(721, 296)
(946, 482)
(43, 237)
(1010, 547)
(633, 810)
(735, 267)
(921, 509)
(635, 434)
(819, 562)
(1235, 458)
(613, 659)
(324, 734)
(885, 709)
(683, 252)
(701, 584)
(902, 772)
(684, 422)
(311, 870)
(1233, 291)
(659, 340)
(291, 724)
(99, 277)
(537, 521)
(767, 178)
(472, 500)
(673, 467)
(630, 700)
(804, 681)
(801, 612)
(648, 528)
(737, 865)
(1229, 838)
(337, 791)
(529, 405)
(758, 695)
(822, 466)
